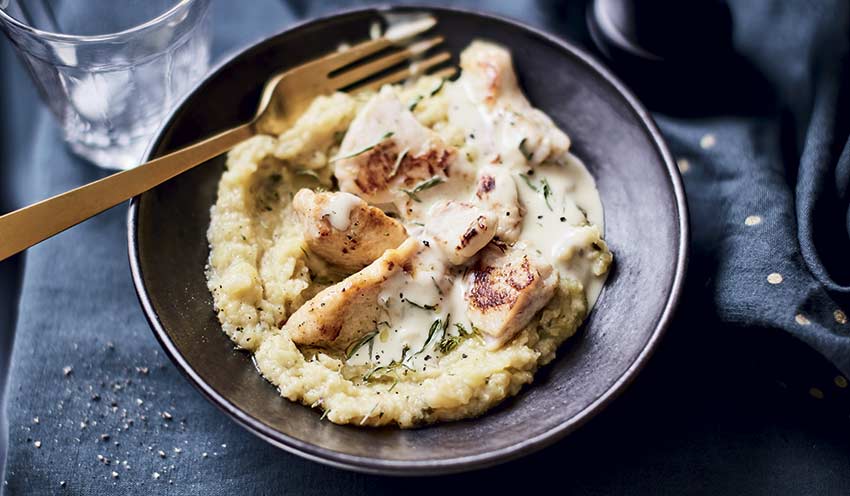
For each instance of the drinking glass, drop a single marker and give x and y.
(110, 69)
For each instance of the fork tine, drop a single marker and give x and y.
(358, 73)
(445, 73)
(334, 61)
(401, 75)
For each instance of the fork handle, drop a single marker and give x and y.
(30, 225)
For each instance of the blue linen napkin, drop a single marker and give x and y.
(94, 407)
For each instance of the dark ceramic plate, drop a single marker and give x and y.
(645, 221)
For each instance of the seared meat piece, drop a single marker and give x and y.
(496, 192)
(489, 76)
(460, 229)
(387, 149)
(505, 289)
(345, 231)
(342, 313)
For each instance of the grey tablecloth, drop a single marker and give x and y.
(734, 401)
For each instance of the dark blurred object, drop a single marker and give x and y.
(677, 55)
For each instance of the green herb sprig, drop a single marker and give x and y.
(547, 192)
(413, 103)
(427, 184)
(437, 285)
(354, 347)
(544, 188)
(433, 330)
(452, 341)
(438, 325)
(390, 369)
(386, 135)
(528, 182)
(419, 305)
(418, 98)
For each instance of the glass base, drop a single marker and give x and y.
(116, 157)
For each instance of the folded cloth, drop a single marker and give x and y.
(769, 188)
(94, 407)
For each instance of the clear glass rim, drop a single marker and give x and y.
(75, 38)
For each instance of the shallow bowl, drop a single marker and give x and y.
(645, 225)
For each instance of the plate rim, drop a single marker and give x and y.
(428, 466)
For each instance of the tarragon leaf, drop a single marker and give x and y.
(355, 346)
(433, 330)
(438, 88)
(528, 182)
(386, 135)
(427, 184)
(547, 192)
(413, 103)
(419, 305)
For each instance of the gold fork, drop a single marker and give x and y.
(285, 97)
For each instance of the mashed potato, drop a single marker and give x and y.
(261, 271)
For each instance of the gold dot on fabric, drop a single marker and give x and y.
(684, 165)
(752, 220)
(816, 393)
(840, 316)
(840, 381)
(708, 141)
(774, 278)
(802, 319)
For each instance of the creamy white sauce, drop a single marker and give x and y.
(555, 194)
(572, 189)
(439, 288)
(459, 185)
(412, 303)
(338, 210)
(495, 132)
(499, 130)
